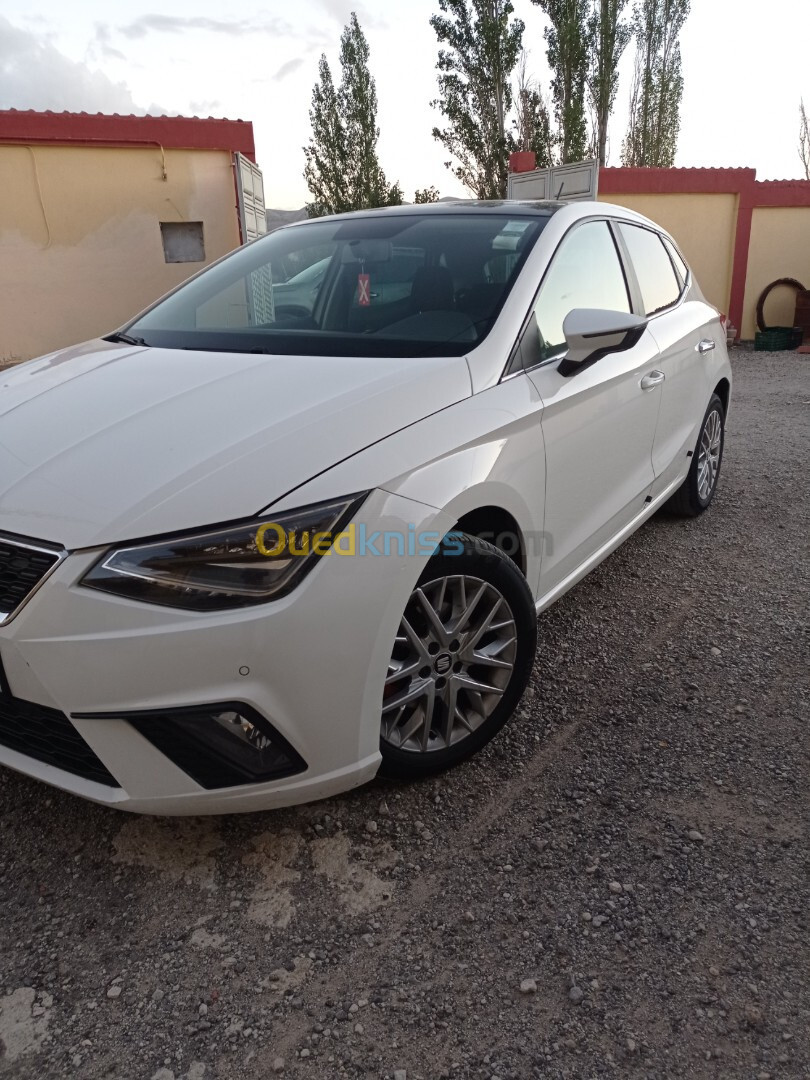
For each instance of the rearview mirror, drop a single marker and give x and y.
(370, 250)
(592, 333)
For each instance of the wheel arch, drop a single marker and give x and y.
(496, 525)
(723, 391)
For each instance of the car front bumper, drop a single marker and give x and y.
(312, 663)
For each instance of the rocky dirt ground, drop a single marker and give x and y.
(618, 886)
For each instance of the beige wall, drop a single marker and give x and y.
(780, 247)
(703, 227)
(81, 249)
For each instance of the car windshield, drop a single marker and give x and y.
(378, 285)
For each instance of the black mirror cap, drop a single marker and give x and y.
(567, 367)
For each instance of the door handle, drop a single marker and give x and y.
(706, 345)
(655, 378)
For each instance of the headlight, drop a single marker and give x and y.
(235, 566)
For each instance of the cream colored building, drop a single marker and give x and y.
(100, 215)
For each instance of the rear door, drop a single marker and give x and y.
(682, 329)
(598, 424)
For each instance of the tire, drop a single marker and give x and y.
(431, 669)
(693, 497)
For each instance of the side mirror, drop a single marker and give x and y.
(592, 333)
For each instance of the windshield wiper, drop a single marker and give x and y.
(127, 339)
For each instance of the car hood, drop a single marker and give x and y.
(102, 442)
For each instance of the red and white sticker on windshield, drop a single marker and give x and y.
(363, 290)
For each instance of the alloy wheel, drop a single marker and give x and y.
(709, 454)
(452, 661)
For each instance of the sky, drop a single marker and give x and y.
(258, 61)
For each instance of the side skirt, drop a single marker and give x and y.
(607, 548)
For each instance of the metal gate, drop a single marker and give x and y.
(566, 183)
(250, 198)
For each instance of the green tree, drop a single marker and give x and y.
(532, 123)
(479, 46)
(342, 169)
(607, 38)
(567, 50)
(426, 195)
(655, 100)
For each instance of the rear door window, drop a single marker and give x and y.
(660, 287)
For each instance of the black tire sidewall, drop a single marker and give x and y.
(699, 504)
(482, 560)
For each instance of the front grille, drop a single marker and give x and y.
(48, 736)
(21, 570)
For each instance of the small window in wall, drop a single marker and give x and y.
(182, 241)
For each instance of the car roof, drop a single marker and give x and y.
(449, 207)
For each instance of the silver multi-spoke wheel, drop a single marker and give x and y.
(711, 441)
(452, 661)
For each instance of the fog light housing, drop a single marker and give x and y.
(221, 745)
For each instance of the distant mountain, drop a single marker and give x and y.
(277, 218)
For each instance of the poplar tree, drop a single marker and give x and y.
(607, 38)
(655, 101)
(567, 50)
(342, 169)
(532, 123)
(480, 42)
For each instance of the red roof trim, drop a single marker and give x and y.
(673, 181)
(89, 129)
(782, 193)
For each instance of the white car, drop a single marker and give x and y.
(251, 556)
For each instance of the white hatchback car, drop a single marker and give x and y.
(271, 538)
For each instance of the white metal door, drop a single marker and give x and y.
(250, 198)
(563, 183)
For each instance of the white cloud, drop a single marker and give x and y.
(35, 75)
(288, 69)
(178, 24)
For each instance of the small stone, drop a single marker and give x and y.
(469, 917)
(631, 1045)
(400, 1074)
(158, 995)
(715, 651)
(575, 995)
(368, 939)
(359, 1029)
(753, 1016)
(528, 986)
(693, 834)
(714, 972)
(278, 1065)
(371, 826)
(598, 920)
(615, 886)
(203, 1009)
(114, 991)
(305, 1053)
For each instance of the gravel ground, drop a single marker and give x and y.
(618, 886)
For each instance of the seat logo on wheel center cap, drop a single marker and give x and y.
(443, 663)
